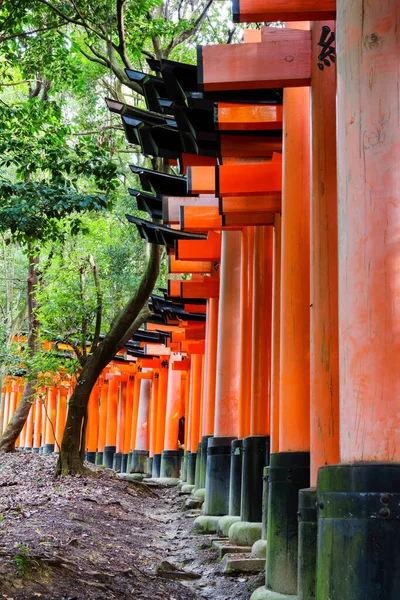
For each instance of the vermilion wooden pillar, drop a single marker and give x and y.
(102, 421)
(121, 424)
(111, 424)
(141, 450)
(61, 417)
(324, 359)
(170, 461)
(246, 329)
(37, 432)
(358, 499)
(210, 365)
(128, 421)
(226, 423)
(261, 326)
(276, 336)
(93, 420)
(294, 409)
(161, 412)
(50, 422)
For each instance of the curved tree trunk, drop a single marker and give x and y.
(128, 321)
(15, 426)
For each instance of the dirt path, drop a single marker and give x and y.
(98, 537)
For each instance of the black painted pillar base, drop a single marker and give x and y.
(41, 450)
(124, 463)
(117, 459)
(170, 464)
(358, 553)
(28, 449)
(307, 555)
(191, 472)
(203, 461)
(48, 449)
(255, 458)
(35, 450)
(288, 473)
(99, 459)
(184, 467)
(139, 458)
(156, 466)
(218, 476)
(108, 455)
(235, 482)
(197, 471)
(129, 462)
(91, 457)
(149, 466)
(264, 517)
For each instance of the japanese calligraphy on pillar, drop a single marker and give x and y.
(327, 56)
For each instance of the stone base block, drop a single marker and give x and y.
(187, 488)
(240, 563)
(200, 494)
(263, 594)
(244, 533)
(225, 523)
(259, 549)
(205, 524)
(225, 547)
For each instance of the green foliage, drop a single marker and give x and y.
(22, 559)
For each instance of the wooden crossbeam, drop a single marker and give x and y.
(251, 204)
(189, 266)
(255, 11)
(247, 117)
(249, 179)
(195, 308)
(172, 204)
(208, 288)
(199, 250)
(240, 220)
(200, 218)
(250, 145)
(282, 63)
(185, 160)
(201, 180)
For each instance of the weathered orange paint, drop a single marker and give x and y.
(172, 206)
(324, 348)
(226, 421)
(246, 332)
(261, 337)
(294, 433)
(142, 429)
(369, 225)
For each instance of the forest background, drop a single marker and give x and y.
(72, 269)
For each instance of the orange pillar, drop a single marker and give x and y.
(261, 337)
(368, 478)
(61, 415)
(7, 401)
(141, 449)
(37, 429)
(196, 402)
(226, 423)
(276, 335)
(28, 439)
(111, 424)
(135, 409)
(294, 397)
(153, 412)
(128, 421)
(246, 330)
(170, 459)
(161, 411)
(324, 355)
(102, 420)
(121, 424)
(92, 433)
(210, 366)
(50, 420)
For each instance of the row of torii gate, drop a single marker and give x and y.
(282, 349)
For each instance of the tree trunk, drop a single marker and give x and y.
(128, 321)
(14, 427)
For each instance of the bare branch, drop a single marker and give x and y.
(99, 307)
(189, 32)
